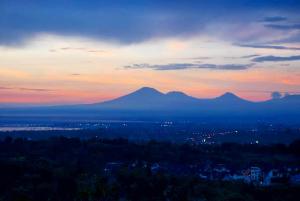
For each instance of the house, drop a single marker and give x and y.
(275, 177)
(255, 174)
(268, 178)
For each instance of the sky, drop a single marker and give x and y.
(67, 52)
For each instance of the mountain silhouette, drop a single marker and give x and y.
(149, 102)
(228, 96)
(148, 98)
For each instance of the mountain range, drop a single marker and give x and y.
(148, 101)
(147, 98)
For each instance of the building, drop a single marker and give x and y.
(255, 174)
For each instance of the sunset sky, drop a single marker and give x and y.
(60, 51)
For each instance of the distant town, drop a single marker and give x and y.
(191, 132)
(259, 176)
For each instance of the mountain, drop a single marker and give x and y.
(149, 102)
(176, 103)
(289, 103)
(229, 97)
(148, 98)
(228, 101)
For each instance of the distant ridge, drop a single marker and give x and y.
(150, 102)
(148, 98)
(146, 91)
(228, 95)
(231, 98)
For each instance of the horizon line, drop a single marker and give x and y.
(70, 103)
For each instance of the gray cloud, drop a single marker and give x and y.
(276, 95)
(129, 21)
(182, 66)
(295, 38)
(243, 57)
(72, 48)
(271, 91)
(276, 58)
(26, 89)
(227, 66)
(173, 66)
(278, 47)
(285, 65)
(96, 51)
(199, 58)
(274, 19)
(250, 56)
(83, 49)
(34, 89)
(283, 26)
(5, 88)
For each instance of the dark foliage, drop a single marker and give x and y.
(64, 169)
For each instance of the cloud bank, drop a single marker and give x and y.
(26, 89)
(263, 46)
(284, 26)
(276, 58)
(183, 66)
(274, 19)
(131, 21)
